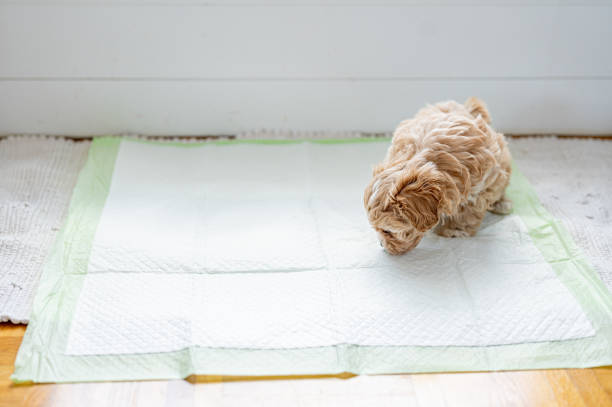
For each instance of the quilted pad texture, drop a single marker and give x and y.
(257, 258)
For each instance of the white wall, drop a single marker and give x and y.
(207, 67)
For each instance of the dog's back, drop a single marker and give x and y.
(461, 130)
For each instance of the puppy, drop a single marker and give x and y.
(444, 169)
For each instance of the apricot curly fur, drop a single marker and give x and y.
(445, 168)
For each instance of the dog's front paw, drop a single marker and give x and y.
(503, 207)
(454, 233)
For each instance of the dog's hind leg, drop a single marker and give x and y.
(462, 224)
(503, 206)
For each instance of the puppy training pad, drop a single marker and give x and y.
(256, 258)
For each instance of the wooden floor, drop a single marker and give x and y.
(563, 387)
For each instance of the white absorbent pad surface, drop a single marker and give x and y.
(37, 176)
(257, 258)
(570, 177)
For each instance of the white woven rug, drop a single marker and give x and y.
(573, 181)
(36, 179)
(37, 176)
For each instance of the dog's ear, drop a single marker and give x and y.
(476, 107)
(418, 196)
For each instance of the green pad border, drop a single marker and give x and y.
(41, 358)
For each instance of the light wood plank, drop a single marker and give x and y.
(8, 349)
(390, 390)
(11, 330)
(589, 388)
(463, 390)
(158, 108)
(566, 393)
(427, 390)
(527, 388)
(263, 42)
(37, 396)
(604, 376)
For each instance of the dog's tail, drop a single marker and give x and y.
(477, 107)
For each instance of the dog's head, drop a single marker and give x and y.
(402, 203)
